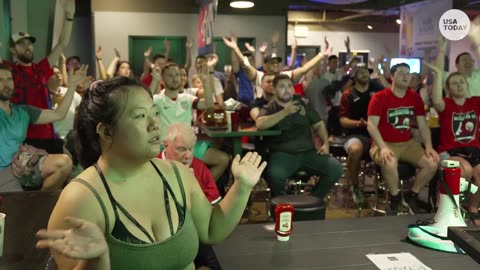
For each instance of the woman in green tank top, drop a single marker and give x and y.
(128, 210)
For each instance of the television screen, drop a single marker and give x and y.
(414, 63)
(298, 60)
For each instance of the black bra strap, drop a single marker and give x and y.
(124, 211)
(180, 208)
(110, 196)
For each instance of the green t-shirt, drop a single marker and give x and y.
(13, 130)
(296, 128)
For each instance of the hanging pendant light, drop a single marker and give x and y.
(242, 4)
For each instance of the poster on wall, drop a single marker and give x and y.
(419, 32)
(206, 20)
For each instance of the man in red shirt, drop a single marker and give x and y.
(179, 145)
(391, 114)
(30, 78)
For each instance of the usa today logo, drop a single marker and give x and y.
(454, 24)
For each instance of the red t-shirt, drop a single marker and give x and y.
(298, 89)
(147, 80)
(397, 115)
(31, 89)
(204, 178)
(459, 124)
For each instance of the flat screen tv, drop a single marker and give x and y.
(414, 63)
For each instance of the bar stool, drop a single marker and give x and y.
(405, 173)
(306, 207)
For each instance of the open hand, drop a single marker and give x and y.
(249, 47)
(79, 77)
(99, 52)
(148, 52)
(275, 39)
(189, 43)
(248, 169)
(474, 32)
(84, 240)
(230, 42)
(386, 155)
(263, 47)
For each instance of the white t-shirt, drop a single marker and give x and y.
(337, 76)
(174, 111)
(64, 126)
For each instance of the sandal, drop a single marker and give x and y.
(474, 218)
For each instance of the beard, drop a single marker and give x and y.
(285, 98)
(6, 97)
(24, 58)
(172, 86)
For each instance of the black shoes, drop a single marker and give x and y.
(414, 205)
(393, 205)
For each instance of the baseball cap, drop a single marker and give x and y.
(16, 37)
(271, 57)
(359, 67)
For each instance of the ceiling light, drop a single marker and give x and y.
(399, 21)
(369, 27)
(241, 4)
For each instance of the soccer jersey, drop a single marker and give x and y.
(397, 115)
(459, 124)
(174, 111)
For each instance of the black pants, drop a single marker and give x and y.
(333, 124)
(206, 257)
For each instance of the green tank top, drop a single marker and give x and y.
(176, 252)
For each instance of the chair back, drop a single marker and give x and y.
(26, 213)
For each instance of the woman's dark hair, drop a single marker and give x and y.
(103, 103)
(180, 67)
(119, 64)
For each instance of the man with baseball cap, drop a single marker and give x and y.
(353, 118)
(31, 78)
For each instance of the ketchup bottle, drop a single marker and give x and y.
(283, 221)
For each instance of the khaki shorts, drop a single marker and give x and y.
(410, 152)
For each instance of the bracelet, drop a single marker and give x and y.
(211, 72)
(98, 59)
(69, 19)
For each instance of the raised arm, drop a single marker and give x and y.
(101, 67)
(146, 61)
(275, 41)
(62, 65)
(474, 34)
(293, 54)
(113, 64)
(69, 9)
(232, 44)
(437, 68)
(76, 79)
(299, 72)
(188, 57)
(166, 43)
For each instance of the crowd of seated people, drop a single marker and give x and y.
(137, 150)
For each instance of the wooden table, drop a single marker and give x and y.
(330, 244)
(236, 136)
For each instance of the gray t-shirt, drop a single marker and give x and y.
(316, 97)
